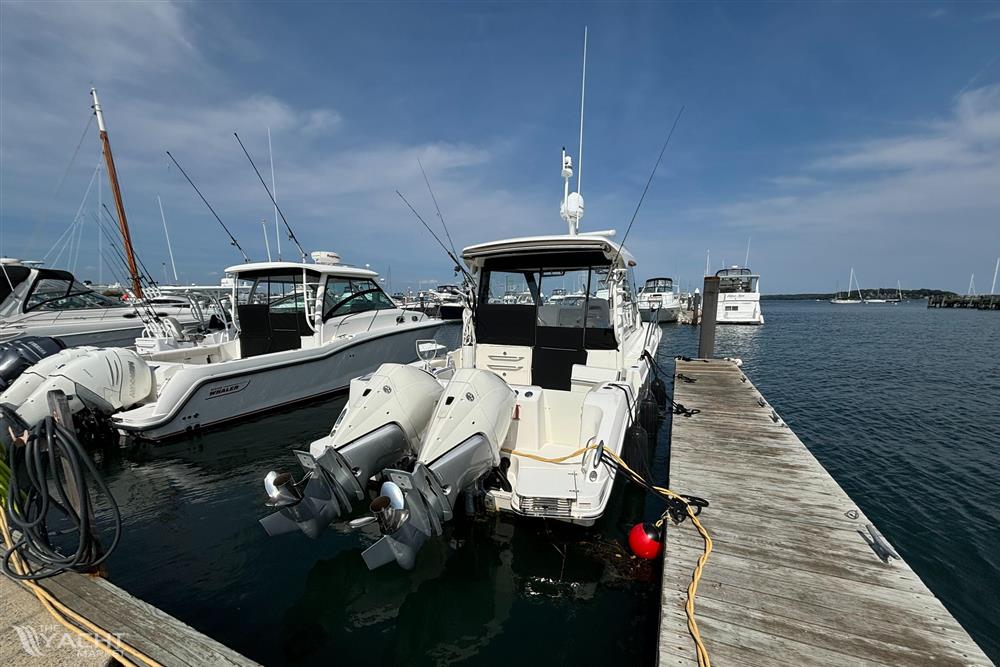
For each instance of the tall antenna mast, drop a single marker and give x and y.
(119, 204)
(746, 262)
(170, 248)
(274, 189)
(583, 94)
(708, 262)
(993, 288)
(571, 209)
(267, 244)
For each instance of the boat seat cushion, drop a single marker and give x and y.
(552, 368)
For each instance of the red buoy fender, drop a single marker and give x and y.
(645, 541)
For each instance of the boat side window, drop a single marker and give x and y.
(598, 308)
(60, 294)
(282, 293)
(350, 295)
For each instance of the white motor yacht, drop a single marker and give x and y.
(517, 419)
(659, 301)
(304, 330)
(739, 297)
(36, 301)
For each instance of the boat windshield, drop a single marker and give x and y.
(658, 285)
(344, 296)
(58, 293)
(514, 308)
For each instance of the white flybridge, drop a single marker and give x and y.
(739, 296)
(517, 419)
(659, 301)
(304, 330)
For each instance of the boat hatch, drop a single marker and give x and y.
(559, 331)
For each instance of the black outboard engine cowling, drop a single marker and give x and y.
(19, 354)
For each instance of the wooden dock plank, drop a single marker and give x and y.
(792, 579)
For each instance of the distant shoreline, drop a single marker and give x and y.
(886, 293)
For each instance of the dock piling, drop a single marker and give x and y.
(709, 314)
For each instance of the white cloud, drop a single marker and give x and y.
(161, 91)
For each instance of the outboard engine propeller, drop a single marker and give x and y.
(429, 494)
(378, 428)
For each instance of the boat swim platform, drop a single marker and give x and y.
(794, 577)
(31, 637)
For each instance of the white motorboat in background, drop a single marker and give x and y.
(36, 301)
(739, 297)
(659, 301)
(518, 419)
(304, 330)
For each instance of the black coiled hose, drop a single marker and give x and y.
(46, 518)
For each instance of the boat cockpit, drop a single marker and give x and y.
(47, 290)
(287, 302)
(534, 340)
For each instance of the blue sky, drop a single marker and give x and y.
(833, 135)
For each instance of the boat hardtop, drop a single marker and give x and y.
(516, 419)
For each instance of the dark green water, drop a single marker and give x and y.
(901, 404)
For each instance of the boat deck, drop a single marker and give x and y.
(792, 578)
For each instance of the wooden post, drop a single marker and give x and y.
(709, 313)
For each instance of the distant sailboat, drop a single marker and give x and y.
(847, 298)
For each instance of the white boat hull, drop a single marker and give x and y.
(115, 330)
(739, 308)
(199, 396)
(661, 315)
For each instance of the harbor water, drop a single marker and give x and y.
(900, 403)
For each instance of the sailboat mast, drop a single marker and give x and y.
(119, 204)
(993, 287)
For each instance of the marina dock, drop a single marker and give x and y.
(797, 574)
(29, 635)
(974, 301)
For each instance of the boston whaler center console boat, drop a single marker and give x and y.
(516, 419)
(304, 330)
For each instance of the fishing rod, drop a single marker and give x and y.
(149, 276)
(458, 264)
(436, 207)
(232, 239)
(648, 182)
(140, 306)
(291, 234)
(454, 253)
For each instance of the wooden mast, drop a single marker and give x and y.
(119, 204)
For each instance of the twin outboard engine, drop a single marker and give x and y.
(103, 380)
(19, 354)
(424, 443)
